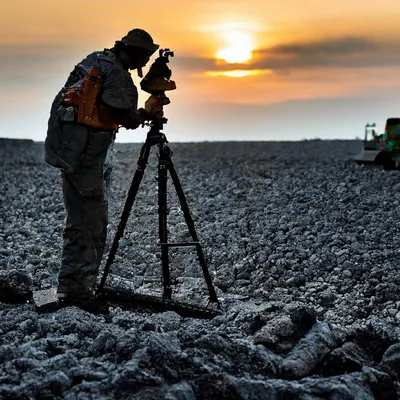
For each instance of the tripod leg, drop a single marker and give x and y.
(192, 231)
(142, 163)
(162, 219)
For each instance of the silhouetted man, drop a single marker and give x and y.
(99, 95)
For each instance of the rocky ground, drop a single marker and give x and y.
(304, 250)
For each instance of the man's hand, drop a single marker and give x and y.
(144, 115)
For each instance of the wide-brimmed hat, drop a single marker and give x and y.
(139, 38)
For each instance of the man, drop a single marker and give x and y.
(81, 128)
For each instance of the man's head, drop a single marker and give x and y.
(135, 49)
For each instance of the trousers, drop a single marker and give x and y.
(85, 230)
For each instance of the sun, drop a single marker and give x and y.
(239, 48)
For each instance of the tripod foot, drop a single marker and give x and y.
(167, 293)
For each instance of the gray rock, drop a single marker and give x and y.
(391, 360)
(180, 391)
(15, 286)
(291, 235)
(310, 351)
(349, 357)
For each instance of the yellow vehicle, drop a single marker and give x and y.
(381, 150)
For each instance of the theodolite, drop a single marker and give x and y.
(156, 82)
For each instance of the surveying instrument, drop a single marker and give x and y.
(156, 82)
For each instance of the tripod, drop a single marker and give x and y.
(165, 165)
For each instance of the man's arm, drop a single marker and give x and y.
(129, 119)
(120, 95)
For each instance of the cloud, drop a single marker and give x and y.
(27, 66)
(194, 63)
(347, 52)
(333, 47)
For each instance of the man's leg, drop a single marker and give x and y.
(84, 239)
(96, 213)
(87, 218)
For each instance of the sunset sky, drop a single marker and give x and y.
(244, 70)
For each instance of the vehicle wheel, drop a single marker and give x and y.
(385, 159)
(389, 164)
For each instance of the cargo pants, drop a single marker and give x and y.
(85, 232)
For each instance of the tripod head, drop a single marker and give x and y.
(157, 82)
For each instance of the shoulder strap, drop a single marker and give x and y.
(107, 56)
(86, 69)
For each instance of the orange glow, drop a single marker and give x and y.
(250, 52)
(238, 73)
